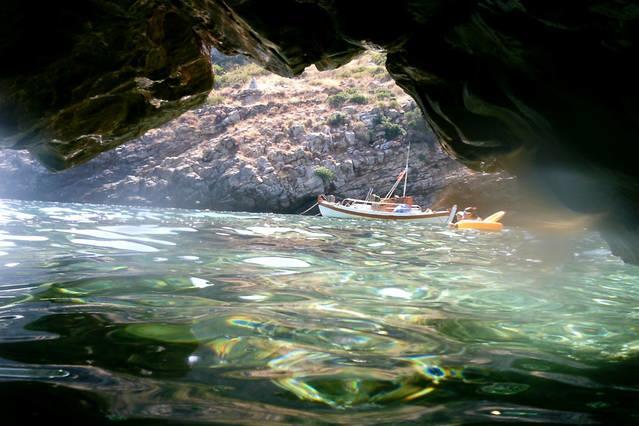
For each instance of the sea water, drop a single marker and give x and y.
(133, 315)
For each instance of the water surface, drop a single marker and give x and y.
(128, 315)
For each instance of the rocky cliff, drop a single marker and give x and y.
(272, 145)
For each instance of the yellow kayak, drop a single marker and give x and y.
(491, 223)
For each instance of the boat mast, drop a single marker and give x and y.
(406, 170)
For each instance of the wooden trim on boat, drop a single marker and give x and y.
(333, 207)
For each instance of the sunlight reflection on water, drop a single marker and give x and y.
(310, 319)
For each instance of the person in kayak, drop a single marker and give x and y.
(469, 213)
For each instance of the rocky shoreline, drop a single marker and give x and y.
(273, 146)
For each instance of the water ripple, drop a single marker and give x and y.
(203, 316)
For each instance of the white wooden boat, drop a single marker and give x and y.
(386, 209)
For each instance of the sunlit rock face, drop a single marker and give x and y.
(542, 88)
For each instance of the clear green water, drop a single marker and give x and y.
(112, 314)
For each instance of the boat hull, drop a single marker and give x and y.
(328, 209)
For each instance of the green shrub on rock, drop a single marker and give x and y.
(218, 69)
(337, 119)
(347, 96)
(215, 99)
(359, 99)
(384, 94)
(326, 174)
(240, 75)
(391, 130)
(378, 58)
(337, 100)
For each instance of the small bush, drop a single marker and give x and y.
(218, 69)
(391, 130)
(240, 75)
(358, 71)
(388, 104)
(215, 99)
(347, 96)
(326, 174)
(337, 100)
(337, 119)
(393, 104)
(384, 94)
(344, 72)
(358, 99)
(378, 58)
